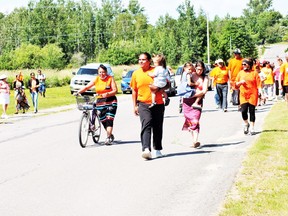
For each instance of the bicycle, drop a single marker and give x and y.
(86, 105)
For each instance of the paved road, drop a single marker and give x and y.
(44, 171)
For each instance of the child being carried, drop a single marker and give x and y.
(161, 77)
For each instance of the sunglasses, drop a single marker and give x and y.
(244, 64)
(142, 59)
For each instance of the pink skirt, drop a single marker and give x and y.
(192, 116)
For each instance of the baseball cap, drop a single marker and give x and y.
(219, 61)
(237, 51)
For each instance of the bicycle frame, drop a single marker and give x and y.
(87, 126)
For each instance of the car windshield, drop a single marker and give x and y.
(129, 74)
(92, 71)
(87, 71)
(179, 71)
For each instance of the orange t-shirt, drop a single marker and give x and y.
(249, 91)
(103, 86)
(220, 75)
(284, 73)
(140, 82)
(234, 66)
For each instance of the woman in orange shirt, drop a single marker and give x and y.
(249, 83)
(106, 104)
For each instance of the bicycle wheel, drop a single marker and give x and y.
(84, 130)
(97, 132)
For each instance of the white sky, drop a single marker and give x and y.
(155, 8)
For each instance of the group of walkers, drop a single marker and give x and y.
(148, 89)
(252, 83)
(36, 84)
(148, 83)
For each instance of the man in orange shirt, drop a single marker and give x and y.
(284, 73)
(151, 119)
(221, 77)
(234, 67)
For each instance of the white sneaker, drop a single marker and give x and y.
(146, 154)
(252, 132)
(3, 116)
(246, 128)
(158, 154)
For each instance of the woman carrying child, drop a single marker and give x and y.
(192, 114)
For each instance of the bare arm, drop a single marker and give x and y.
(204, 89)
(88, 86)
(134, 100)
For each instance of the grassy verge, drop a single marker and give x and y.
(261, 188)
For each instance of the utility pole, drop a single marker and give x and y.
(208, 40)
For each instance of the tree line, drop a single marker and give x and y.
(68, 33)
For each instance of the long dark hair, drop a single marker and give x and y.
(201, 63)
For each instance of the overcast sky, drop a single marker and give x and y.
(155, 8)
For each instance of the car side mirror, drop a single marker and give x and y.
(74, 73)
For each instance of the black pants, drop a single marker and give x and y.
(151, 122)
(244, 111)
(277, 88)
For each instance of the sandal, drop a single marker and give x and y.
(196, 145)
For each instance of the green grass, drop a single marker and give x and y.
(262, 186)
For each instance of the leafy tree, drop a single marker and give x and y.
(51, 57)
(26, 56)
(259, 17)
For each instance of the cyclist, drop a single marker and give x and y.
(106, 103)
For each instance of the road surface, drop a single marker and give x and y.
(44, 171)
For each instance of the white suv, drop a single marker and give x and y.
(85, 74)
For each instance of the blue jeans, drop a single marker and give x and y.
(42, 87)
(34, 97)
(222, 91)
(217, 99)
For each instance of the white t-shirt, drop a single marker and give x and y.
(160, 76)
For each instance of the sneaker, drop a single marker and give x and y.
(152, 105)
(108, 141)
(112, 137)
(167, 101)
(4, 116)
(158, 154)
(252, 132)
(246, 128)
(224, 110)
(146, 154)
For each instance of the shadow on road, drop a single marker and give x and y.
(220, 144)
(187, 153)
